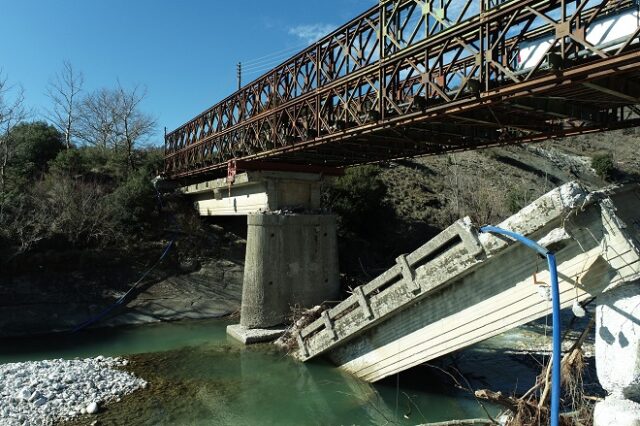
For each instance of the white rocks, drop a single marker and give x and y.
(46, 392)
(40, 401)
(23, 394)
(92, 408)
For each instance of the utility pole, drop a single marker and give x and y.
(239, 75)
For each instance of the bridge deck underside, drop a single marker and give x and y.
(563, 111)
(402, 81)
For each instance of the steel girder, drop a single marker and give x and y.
(450, 70)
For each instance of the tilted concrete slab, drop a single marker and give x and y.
(463, 287)
(256, 192)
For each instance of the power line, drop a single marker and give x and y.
(266, 64)
(255, 61)
(264, 70)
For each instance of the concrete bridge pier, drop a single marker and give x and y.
(291, 260)
(618, 355)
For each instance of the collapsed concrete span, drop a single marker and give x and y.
(462, 287)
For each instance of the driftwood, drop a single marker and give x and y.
(524, 412)
(461, 422)
(497, 398)
(526, 409)
(568, 359)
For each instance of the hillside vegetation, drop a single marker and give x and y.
(81, 182)
(402, 204)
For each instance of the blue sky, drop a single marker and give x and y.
(184, 52)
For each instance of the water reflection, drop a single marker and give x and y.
(200, 377)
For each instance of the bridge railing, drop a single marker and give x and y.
(399, 58)
(371, 303)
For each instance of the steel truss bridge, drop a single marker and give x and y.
(420, 77)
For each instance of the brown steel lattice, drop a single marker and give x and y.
(414, 77)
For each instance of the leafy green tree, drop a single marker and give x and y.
(34, 145)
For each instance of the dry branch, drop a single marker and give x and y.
(460, 422)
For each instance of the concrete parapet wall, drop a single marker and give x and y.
(290, 260)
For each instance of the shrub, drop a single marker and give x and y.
(516, 199)
(61, 209)
(603, 165)
(94, 163)
(132, 204)
(358, 199)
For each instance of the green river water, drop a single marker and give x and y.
(198, 376)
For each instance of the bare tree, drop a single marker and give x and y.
(111, 118)
(64, 91)
(12, 111)
(134, 126)
(97, 119)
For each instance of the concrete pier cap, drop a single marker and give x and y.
(291, 260)
(257, 192)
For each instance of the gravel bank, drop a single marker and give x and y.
(44, 392)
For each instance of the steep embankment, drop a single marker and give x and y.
(56, 291)
(491, 184)
(425, 195)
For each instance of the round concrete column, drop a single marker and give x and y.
(618, 356)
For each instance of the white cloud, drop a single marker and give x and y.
(312, 32)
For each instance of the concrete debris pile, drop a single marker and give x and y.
(46, 392)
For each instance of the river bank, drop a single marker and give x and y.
(56, 291)
(50, 391)
(196, 375)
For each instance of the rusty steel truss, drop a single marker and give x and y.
(414, 77)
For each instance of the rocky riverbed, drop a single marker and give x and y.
(46, 392)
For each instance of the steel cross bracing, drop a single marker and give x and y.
(413, 77)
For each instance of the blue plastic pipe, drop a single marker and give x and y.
(555, 301)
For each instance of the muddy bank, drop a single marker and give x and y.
(56, 292)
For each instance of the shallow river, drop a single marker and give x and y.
(199, 376)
